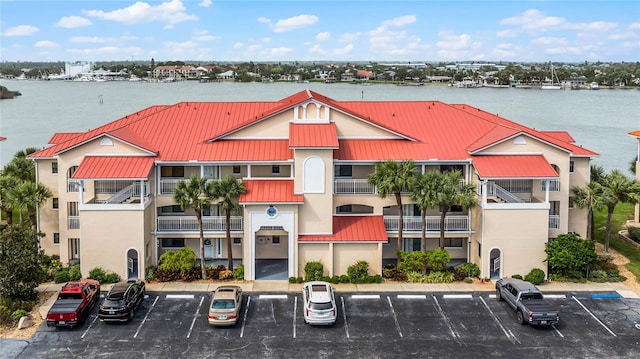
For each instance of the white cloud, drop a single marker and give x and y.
(171, 12)
(593, 26)
(205, 3)
(534, 21)
(555, 41)
(89, 39)
(350, 36)
(507, 33)
(295, 22)
(264, 20)
(634, 26)
(278, 52)
(452, 46)
(47, 44)
(400, 21)
(266, 40)
(238, 45)
(323, 36)
(72, 22)
(343, 50)
(20, 30)
(317, 49)
(203, 35)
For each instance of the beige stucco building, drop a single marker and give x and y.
(305, 161)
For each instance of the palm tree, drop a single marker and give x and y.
(618, 188)
(28, 197)
(7, 185)
(195, 194)
(228, 190)
(592, 198)
(451, 193)
(392, 178)
(424, 192)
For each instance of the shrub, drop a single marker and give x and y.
(401, 277)
(468, 280)
(358, 272)
(238, 272)
(376, 278)
(226, 274)
(415, 277)
(438, 259)
(634, 233)
(313, 271)
(213, 273)
(344, 278)
(151, 273)
(517, 276)
(74, 272)
(180, 261)
(335, 279)
(389, 271)
(412, 261)
(475, 270)
(62, 276)
(98, 274)
(536, 276)
(292, 279)
(299, 280)
(17, 314)
(112, 278)
(439, 277)
(5, 314)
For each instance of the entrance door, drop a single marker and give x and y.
(208, 249)
(495, 270)
(132, 264)
(218, 247)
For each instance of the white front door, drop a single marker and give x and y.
(218, 247)
(208, 249)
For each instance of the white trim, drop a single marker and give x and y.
(126, 264)
(259, 218)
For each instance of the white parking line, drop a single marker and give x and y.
(395, 317)
(452, 330)
(146, 316)
(180, 296)
(90, 325)
(412, 296)
(594, 316)
(457, 296)
(246, 310)
(195, 317)
(344, 315)
(295, 307)
(365, 296)
(506, 331)
(273, 296)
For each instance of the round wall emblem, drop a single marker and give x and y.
(272, 211)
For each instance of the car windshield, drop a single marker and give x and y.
(113, 303)
(223, 304)
(320, 306)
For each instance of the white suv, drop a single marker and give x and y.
(319, 303)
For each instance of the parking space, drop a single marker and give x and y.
(460, 320)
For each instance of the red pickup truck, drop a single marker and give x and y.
(74, 303)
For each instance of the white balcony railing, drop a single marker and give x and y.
(190, 223)
(414, 223)
(73, 222)
(353, 186)
(554, 186)
(168, 185)
(554, 221)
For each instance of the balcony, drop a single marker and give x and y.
(190, 224)
(414, 223)
(353, 186)
(554, 221)
(168, 185)
(73, 222)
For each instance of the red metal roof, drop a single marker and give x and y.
(352, 229)
(313, 135)
(635, 133)
(61, 137)
(2, 138)
(513, 166)
(270, 191)
(114, 167)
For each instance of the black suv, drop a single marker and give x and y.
(122, 301)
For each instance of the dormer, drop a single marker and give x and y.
(311, 112)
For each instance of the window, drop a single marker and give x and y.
(480, 250)
(344, 209)
(237, 241)
(453, 242)
(172, 171)
(571, 166)
(171, 209)
(275, 240)
(55, 203)
(74, 248)
(344, 171)
(275, 169)
(412, 244)
(236, 170)
(571, 202)
(56, 238)
(54, 167)
(172, 242)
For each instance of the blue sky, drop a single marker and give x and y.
(355, 30)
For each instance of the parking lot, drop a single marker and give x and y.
(173, 325)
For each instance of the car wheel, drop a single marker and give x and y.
(520, 318)
(498, 295)
(132, 312)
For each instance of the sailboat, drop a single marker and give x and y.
(553, 85)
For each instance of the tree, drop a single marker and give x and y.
(228, 190)
(590, 197)
(424, 193)
(618, 188)
(451, 193)
(568, 253)
(7, 185)
(196, 194)
(392, 178)
(27, 197)
(20, 269)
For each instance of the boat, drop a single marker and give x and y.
(594, 86)
(553, 85)
(467, 83)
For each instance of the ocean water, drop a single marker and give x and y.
(597, 120)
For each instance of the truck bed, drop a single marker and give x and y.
(65, 306)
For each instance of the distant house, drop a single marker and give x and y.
(227, 75)
(175, 71)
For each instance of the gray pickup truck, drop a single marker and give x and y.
(527, 301)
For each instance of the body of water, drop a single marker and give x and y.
(597, 120)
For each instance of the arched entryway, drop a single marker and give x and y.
(495, 263)
(133, 264)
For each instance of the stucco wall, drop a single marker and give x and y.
(347, 254)
(314, 252)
